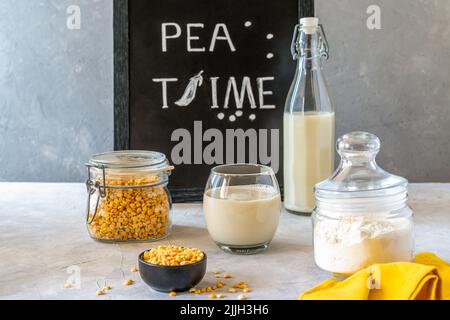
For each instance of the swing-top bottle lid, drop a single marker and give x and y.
(358, 175)
(309, 24)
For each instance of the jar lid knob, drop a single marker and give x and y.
(358, 173)
(358, 144)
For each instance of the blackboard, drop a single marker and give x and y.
(203, 82)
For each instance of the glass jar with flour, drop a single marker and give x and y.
(361, 216)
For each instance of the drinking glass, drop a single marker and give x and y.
(242, 206)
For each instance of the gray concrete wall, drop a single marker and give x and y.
(56, 105)
(56, 87)
(395, 81)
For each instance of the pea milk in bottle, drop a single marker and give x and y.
(309, 120)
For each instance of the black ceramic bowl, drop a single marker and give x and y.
(172, 278)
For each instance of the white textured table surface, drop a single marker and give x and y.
(42, 235)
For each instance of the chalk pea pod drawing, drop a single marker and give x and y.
(191, 90)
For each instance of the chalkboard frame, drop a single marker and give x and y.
(122, 87)
(121, 76)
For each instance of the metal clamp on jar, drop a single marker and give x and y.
(128, 199)
(361, 216)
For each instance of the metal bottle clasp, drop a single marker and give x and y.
(295, 51)
(324, 48)
(295, 43)
(92, 186)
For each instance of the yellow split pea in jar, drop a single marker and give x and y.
(128, 199)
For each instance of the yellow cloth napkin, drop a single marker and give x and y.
(427, 278)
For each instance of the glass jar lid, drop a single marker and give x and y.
(359, 177)
(130, 159)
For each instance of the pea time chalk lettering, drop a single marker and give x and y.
(242, 97)
(220, 33)
(207, 84)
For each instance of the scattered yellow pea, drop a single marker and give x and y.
(217, 275)
(220, 296)
(246, 290)
(128, 282)
(67, 285)
(242, 297)
(212, 296)
(227, 276)
(106, 288)
(172, 293)
(134, 269)
(216, 271)
(232, 290)
(100, 293)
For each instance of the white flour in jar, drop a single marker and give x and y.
(349, 244)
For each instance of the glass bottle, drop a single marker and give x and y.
(309, 120)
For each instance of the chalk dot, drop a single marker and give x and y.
(220, 116)
(232, 118)
(252, 117)
(248, 24)
(78, 68)
(238, 113)
(269, 36)
(269, 55)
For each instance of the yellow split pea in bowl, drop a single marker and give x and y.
(172, 268)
